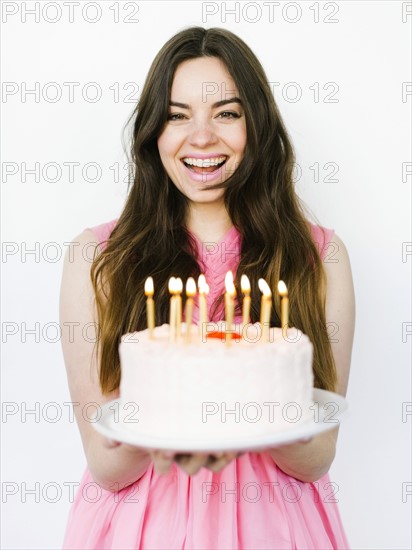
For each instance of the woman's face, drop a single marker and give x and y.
(204, 139)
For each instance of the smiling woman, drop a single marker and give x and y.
(212, 163)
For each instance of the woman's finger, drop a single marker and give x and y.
(191, 463)
(216, 463)
(162, 461)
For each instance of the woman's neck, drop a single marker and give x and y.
(208, 222)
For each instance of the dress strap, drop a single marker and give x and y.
(322, 237)
(103, 231)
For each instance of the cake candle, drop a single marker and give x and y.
(190, 293)
(172, 308)
(150, 313)
(265, 309)
(178, 298)
(203, 291)
(229, 303)
(284, 306)
(245, 286)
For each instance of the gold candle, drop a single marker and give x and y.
(190, 293)
(172, 317)
(245, 286)
(284, 306)
(178, 298)
(150, 312)
(203, 291)
(265, 309)
(229, 303)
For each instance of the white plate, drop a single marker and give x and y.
(328, 410)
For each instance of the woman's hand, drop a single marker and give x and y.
(191, 463)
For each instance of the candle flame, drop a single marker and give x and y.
(264, 288)
(245, 284)
(178, 285)
(172, 285)
(230, 287)
(202, 285)
(148, 286)
(229, 278)
(190, 287)
(282, 289)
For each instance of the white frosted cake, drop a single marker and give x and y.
(212, 390)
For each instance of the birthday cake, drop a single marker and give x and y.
(210, 388)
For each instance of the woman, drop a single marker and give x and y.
(213, 163)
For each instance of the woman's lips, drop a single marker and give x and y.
(197, 173)
(201, 169)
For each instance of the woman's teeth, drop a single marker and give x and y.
(208, 165)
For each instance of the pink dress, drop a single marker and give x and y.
(251, 504)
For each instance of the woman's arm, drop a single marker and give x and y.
(310, 461)
(113, 466)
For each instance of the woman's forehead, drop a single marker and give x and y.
(206, 78)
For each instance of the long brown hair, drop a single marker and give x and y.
(150, 238)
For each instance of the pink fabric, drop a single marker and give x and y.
(251, 504)
(103, 231)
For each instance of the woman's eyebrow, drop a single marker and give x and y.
(214, 106)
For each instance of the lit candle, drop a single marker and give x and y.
(203, 291)
(178, 298)
(265, 309)
(190, 292)
(150, 313)
(284, 306)
(172, 318)
(229, 303)
(245, 286)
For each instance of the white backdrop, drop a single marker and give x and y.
(340, 73)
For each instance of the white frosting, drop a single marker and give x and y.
(211, 389)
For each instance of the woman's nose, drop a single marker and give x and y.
(202, 134)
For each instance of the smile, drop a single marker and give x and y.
(201, 166)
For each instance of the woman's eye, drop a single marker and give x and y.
(229, 114)
(175, 116)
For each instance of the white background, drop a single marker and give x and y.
(366, 133)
